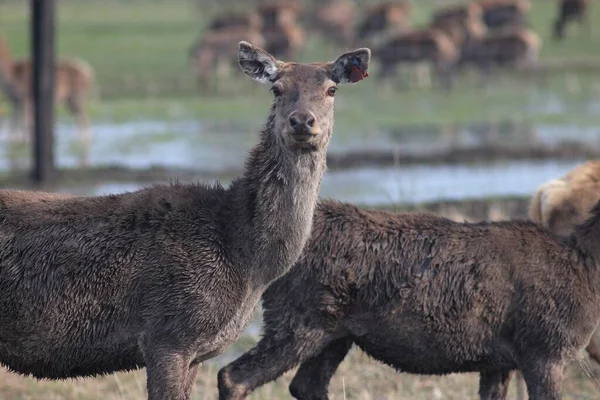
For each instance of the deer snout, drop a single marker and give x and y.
(303, 123)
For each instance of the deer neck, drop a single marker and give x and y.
(275, 201)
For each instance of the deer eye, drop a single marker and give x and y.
(276, 91)
(331, 91)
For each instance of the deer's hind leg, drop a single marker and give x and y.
(493, 385)
(312, 379)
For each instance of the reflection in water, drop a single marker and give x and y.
(416, 184)
(220, 147)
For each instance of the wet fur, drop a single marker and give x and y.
(167, 276)
(427, 295)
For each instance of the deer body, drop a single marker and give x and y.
(168, 276)
(427, 295)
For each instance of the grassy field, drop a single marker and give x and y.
(139, 50)
(358, 378)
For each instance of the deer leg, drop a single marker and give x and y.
(593, 350)
(168, 373)
(191, 378)
(313, 376)
(543, 379)
(273, 355)
(493, 385)
(520, 387)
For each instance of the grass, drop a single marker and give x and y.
(358, 378)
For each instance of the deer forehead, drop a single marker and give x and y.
(304, 74)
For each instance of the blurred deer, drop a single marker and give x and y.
(216, 52)
(427, 45)
(235, 19)
(498, 14)
(571, 10)
(284, 37)
(73, 82)
(334, 19)
(517, 47)
(463, 26)
(383, 19)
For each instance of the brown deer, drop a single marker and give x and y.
(216, 52)
(73, 83)
(235, 20)
(426, 45)
(168, 276)
(570, 10)
(279, 13)
(497, 14)
(427, 295)
(456, 14)
(385, 18)
(513, 47)
(334, 19)
(284, 37)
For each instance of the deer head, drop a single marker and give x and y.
(304, 93)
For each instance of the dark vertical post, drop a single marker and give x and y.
(42, 35)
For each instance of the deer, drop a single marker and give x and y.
(425, 45)
(284, 37)
(517, 48)
(216, 52)
(570, 10)
(168, 276)
(497, 14)
(73, 85)
(334, 19)
(457, 13)
(235, 19)
(427, 295)
(383, 19)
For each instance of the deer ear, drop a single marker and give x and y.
(351, 67)
(254, 61)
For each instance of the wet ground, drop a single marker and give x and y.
(403, 165)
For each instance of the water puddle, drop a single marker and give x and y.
(412, 184)
(223, 147)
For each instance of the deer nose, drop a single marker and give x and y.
(302, 122)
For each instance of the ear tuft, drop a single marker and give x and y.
(257, 63)
(351, 67)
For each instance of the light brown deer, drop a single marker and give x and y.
(73, 83)
(458, 13)
(334, 19)
(284, 37)
(216, 51)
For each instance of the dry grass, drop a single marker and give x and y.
(358, 378)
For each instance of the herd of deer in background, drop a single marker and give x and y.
(481, 34)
